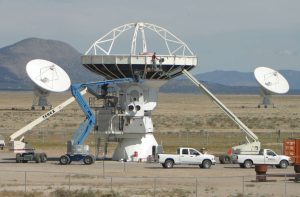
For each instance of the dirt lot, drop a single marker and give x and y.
(143, 179)
(180, 120)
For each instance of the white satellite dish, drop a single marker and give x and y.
(272, 82)
(47, 77)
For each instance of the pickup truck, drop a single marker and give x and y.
(187, 156)
(265, 156)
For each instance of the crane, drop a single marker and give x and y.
(24, 151)
(76, 150)
(251, 146)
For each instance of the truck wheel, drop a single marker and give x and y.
(206, 164)
(248, 164)
(283, 164)
(169, 163)
(163, 165)
(242, 165)
(88, 160)
(64, 160)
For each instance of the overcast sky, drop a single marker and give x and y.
(225, 34)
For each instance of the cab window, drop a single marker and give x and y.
(185, 151)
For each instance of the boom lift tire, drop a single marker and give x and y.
(88, 160)
(37, 158)
(64, 160)
(43, 157)
(225, 159)
(18, 158)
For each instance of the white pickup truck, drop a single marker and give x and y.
(187, 156)
(265, 156)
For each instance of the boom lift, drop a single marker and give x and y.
(24, 151)
(76, 150)
(251, 146)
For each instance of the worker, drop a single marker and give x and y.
(154, 58)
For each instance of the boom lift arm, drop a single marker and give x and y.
(249, 147)
(76, 150)
(18, 146)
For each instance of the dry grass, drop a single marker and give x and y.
(179, 120)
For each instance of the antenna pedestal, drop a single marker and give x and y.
(265, 99)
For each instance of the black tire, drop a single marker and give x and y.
(43, 158)
(221, 159)
(169, 163)
(163, 165)
(64, 160)
(242, 165)
(284, 164)
(227, 159)
(18, 158)
(38, 158)
(277, 166)
(43, 108)
(88, 160)
(248, 164)
(206, 164)
(24, 161)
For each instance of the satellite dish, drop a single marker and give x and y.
(47, 77)
(272, 82)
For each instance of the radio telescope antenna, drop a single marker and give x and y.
(271, 82)
(47, 77)
(149, 54)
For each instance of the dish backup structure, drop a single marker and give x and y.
(124, 115)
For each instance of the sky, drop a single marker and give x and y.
(224, 34)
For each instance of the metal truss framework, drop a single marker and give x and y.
(173, 44)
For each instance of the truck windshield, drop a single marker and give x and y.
(270, 153)
(194, 152)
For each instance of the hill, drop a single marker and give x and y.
(13, 60)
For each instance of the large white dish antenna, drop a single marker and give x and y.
(271, 80)
(48, 76)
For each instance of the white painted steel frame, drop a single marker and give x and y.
(98, 47)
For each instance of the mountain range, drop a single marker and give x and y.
(13, 60)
